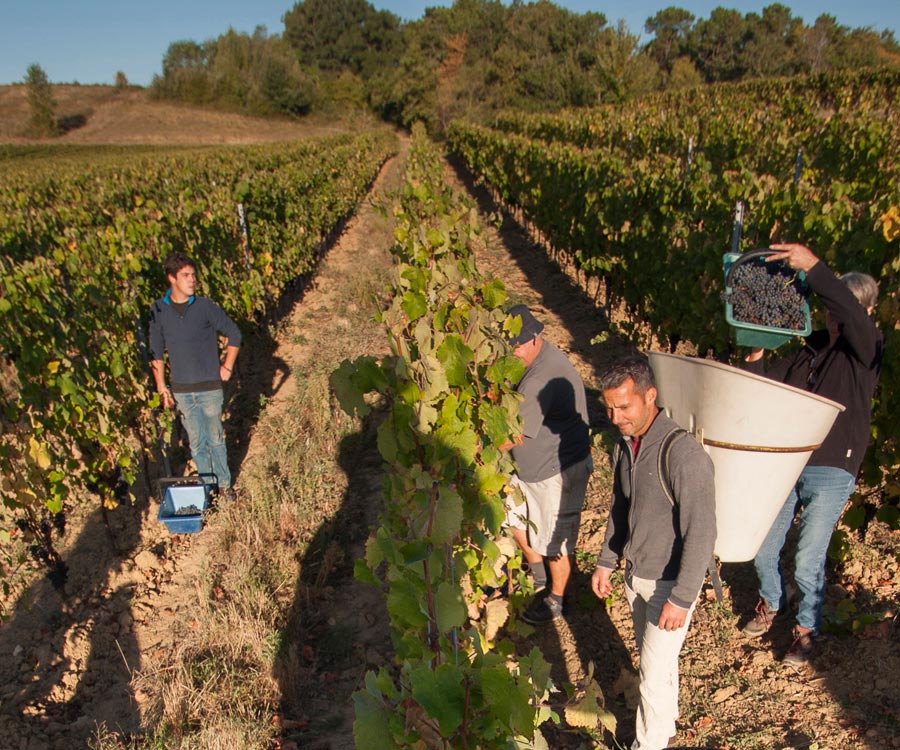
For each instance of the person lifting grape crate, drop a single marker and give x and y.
(765, 302)
(841, 362)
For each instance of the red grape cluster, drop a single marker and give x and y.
(767, 294)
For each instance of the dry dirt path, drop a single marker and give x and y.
(68, 662)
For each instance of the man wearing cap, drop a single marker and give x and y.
(553, 460)
(185, 326)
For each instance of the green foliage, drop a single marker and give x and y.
(612, 188)
(42, 121)
(81, 263)
(342, 35)
(448, 388)
(256, 74)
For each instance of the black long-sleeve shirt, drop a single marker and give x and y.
(845, 370)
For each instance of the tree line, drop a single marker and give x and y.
(479, 56)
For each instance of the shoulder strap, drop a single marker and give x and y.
(662, 469)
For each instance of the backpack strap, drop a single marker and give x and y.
(662, 468)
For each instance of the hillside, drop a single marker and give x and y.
(107, 115)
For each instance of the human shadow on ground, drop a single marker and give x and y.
(336, 628)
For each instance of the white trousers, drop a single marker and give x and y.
(658, 650)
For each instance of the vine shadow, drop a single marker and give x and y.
(72, 643)
(844, 660)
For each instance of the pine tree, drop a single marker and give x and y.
(43, 106)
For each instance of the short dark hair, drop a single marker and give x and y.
(176, 261)
(637, 367)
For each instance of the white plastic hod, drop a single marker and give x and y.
(759, 434)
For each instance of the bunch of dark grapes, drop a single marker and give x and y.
(767, 294)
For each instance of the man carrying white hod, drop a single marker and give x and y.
(663, 523)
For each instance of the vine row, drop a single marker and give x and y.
(653, 225)
(81, 263)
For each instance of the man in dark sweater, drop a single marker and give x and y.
(841, 363)
(186, 327)
(663, 523)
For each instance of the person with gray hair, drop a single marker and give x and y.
(841, 362)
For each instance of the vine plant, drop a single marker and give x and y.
(451, 578)
(81, 262)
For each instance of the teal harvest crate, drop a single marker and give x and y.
(750, 334)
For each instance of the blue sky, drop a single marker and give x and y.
(88, 41)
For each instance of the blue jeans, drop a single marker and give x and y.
(201, 415)
(820, 495)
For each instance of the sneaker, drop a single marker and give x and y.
(761, 621)
(542, 609)
(801, 649)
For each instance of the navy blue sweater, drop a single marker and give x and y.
(191, 340)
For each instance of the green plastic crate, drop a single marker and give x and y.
(757, 336)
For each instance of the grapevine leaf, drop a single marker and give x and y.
(387, 441)
(414, 305)
(495, 422)
(349, 383)
(450, 610)
(586, 712)
(465, 442)
(494, 294)
(39, 454)
(890, 515)
(437, 378)
(448, 516)
(496, 617)
(508, 699)
(371, 728)
(506, 369)
(405, 602)
(441, 694)
(362, 572)
(855, 517)
(456, 356)
(489, 481)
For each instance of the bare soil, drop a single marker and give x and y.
(71, 658)
(128, 116)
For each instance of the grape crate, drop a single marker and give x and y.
(769, 295)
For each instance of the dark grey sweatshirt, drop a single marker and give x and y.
(659, 540)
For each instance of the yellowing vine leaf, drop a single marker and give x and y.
(497, 613)
(586, 712)
(890, 223)
(39, 454)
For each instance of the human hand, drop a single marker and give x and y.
(165, 398)
(799, 257)
(600, 583)
(671, 617)
(224, 373)
(754, 355)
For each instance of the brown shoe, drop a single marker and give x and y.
(761, 621)
(801, 649)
